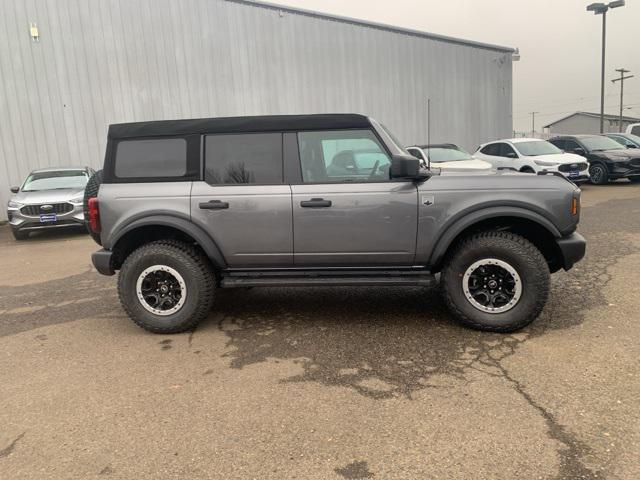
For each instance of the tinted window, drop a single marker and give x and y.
(243, 158)
(571, 146)
(558, 142)
(491, 149)
(342, 156)
(635, 130)
(506, 149)
(159, 157)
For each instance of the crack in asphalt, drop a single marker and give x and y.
(5, 452)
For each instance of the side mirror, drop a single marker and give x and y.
(511, 155)
(15, 189)
(579, 151)
(406, 167)
(630, 145)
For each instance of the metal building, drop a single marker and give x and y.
(585, 122)
(68, 69)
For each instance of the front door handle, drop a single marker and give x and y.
(315, 203)
(214, 205)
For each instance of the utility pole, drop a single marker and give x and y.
(621, 80)
(602, 9)
(533, 123)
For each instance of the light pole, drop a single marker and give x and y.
(601, 9)
(533, 123)
(621, 80)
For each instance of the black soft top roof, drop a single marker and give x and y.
(267, 123)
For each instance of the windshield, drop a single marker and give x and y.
(440, 154)
(596, 144)
(535, 148)
(629, 137)
(55, 180)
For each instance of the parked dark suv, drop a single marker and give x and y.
(189, 206)
(608, 160)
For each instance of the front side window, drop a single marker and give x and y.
(151, 158)
(492, 149)
(55, 180)
(342, 156)
(252, 158)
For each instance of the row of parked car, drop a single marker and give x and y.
(580, 158)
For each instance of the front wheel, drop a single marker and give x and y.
(19, 235)
(166, 286)
(634, 179)
(598, 174)
(496, 281)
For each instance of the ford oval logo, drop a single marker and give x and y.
(46, 208)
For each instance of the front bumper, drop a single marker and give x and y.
(572, 249)
(102, 262)
(20, 221)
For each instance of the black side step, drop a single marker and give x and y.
(326, 278)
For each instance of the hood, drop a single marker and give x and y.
(47, 196)
(474, 165)
(621, 155)
(560, 158)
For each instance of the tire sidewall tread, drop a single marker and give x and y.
(521, 255)
(194, 267)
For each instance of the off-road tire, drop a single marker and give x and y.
(18, 235)
(190, 263)
(600, 179)
(521, 255)
(91, 191)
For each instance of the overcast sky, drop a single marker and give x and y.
(559, 42)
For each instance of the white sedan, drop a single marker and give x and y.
(449, 158)
(532, 155)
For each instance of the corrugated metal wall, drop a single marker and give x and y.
(104, 61)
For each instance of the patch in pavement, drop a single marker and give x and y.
(355, 471)
(56, 301)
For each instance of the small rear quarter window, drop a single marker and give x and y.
(151, 158)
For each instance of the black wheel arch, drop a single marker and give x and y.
(149, 228)
(531, 225)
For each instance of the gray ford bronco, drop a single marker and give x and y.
(182, 208)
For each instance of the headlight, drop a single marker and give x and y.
(77, 200)
(13, 204)
(544, 163)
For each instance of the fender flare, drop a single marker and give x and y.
(458, 226)
(183, 224)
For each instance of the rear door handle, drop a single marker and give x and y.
(214, 205)
(315, 203)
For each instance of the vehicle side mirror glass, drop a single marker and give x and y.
(15, 189)
(511, 155)
(631, 146)
(403, 166)
(579, 151)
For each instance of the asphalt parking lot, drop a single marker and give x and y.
(322, 383)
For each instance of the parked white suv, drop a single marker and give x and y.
(532, 155)
(634, 129)
(448, 158)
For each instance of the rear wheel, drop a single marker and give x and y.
(19, 235)
(635, 179)
(496, 281)
(166, 286)
(599, 174)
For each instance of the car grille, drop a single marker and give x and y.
(36, 210)
(572, 167)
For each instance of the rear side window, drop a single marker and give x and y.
(254, 158)
(151, 158)
(635, 130)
